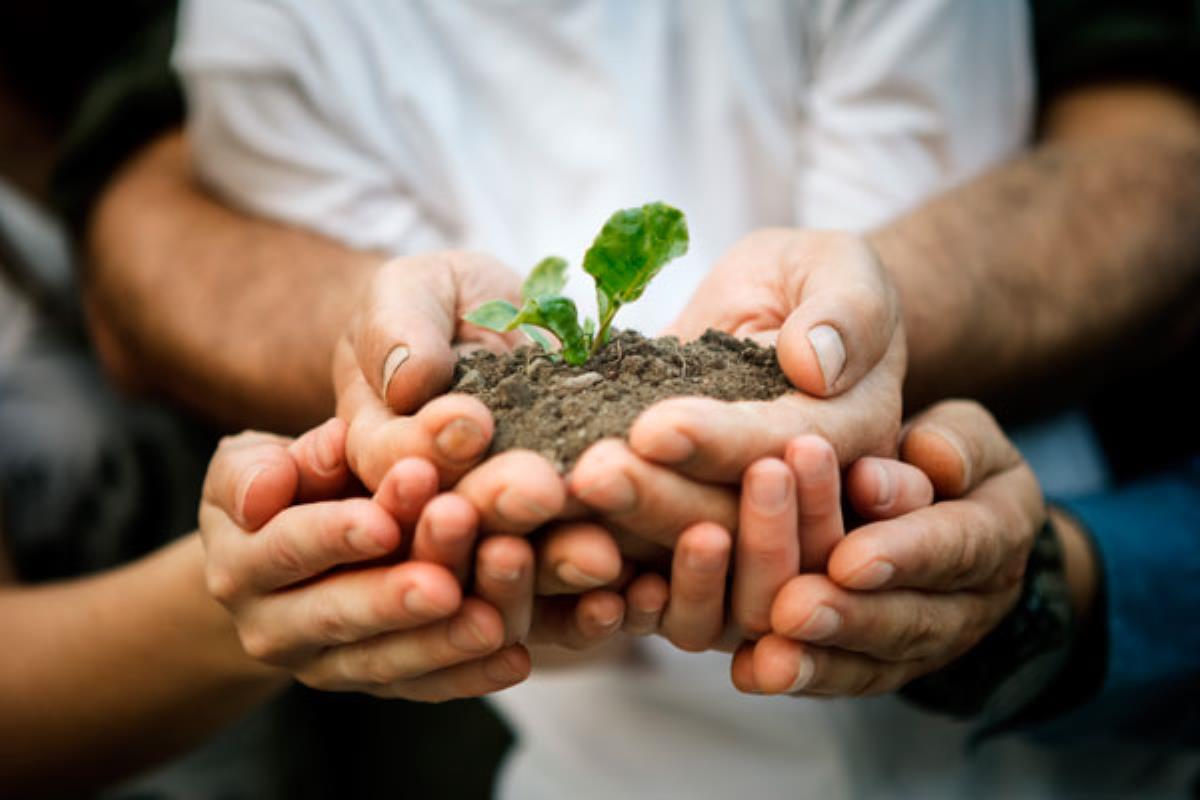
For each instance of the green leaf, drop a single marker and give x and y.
(549, 277)
(495, 315)
(538, 337)
(631, 248)
(559, 316)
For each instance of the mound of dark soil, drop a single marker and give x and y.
(558, 410)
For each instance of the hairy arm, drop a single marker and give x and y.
(1043, 267)
(233, 316)
(110, 673)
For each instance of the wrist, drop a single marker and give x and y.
(1079, 563)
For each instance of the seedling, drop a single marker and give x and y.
(632, 247)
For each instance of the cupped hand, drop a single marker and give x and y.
(907, 594)
(399, 353)
(310, 579)
(824, 301)
(789, 521)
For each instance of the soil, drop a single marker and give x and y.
(558, 410)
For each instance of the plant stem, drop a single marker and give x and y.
(602, 329)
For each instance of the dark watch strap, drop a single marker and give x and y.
(1019, 659)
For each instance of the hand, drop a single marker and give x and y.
(559, 588)
(393, 630)
(790, 520)
(823, 299)
(909, 594)
(400, 351)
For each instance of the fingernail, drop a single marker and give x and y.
(500, 669)
(703, 561)
(461, 440)
(515, 507)
(444, 535)
(466, 635)
(769, 490)
(422, 605)
(806, 668)
(872, 576)
(883, 477)
(395, 359)
(830, 351)
(244, 489)
(608, 619)
(672, 447)
(327, 455)
(570, 574)
(614, 494)
(363, 541)
(822, 623)
(501, 575)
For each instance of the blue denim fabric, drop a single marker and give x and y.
(1147, 537)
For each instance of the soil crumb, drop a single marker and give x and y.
(559, 410)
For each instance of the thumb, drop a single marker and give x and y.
(844, 321)
(402, 342)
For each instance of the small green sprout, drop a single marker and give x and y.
(632, 247)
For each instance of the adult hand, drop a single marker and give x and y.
(399, 352)
(907, 595)
(393, 630)
(825, 302)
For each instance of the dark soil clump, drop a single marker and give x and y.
(559, 410)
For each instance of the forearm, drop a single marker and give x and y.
(230, 315)
(108, 674)
(1050, 264)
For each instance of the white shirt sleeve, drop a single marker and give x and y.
(274, 129)
(886, 126)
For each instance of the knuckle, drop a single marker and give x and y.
(918, 631)
(282, 556)
(375, 670)
(262, 645)
(329, 624)
(221, 584)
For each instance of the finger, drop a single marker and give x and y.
(475, 631)
(577, 623)
(882, 488)
(845, 319)
(514, 492)
(959, 445)
(981, 542)
(251, 478)
(453, 431)
(645, 499)
(300, 542)
(715, 441)
(695, 615)
(741, 669)
(402, 340)
(504, 578)
(575, 557)
(782, 666)
(406, 488)
(767, 545)
(320, 458)
(818, 487)
(476, 678)
(897, 625)
(645, 600)
(445, 534)
(348, 607)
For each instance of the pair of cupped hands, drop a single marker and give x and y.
(715, 525)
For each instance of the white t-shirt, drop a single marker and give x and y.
(516, 128)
